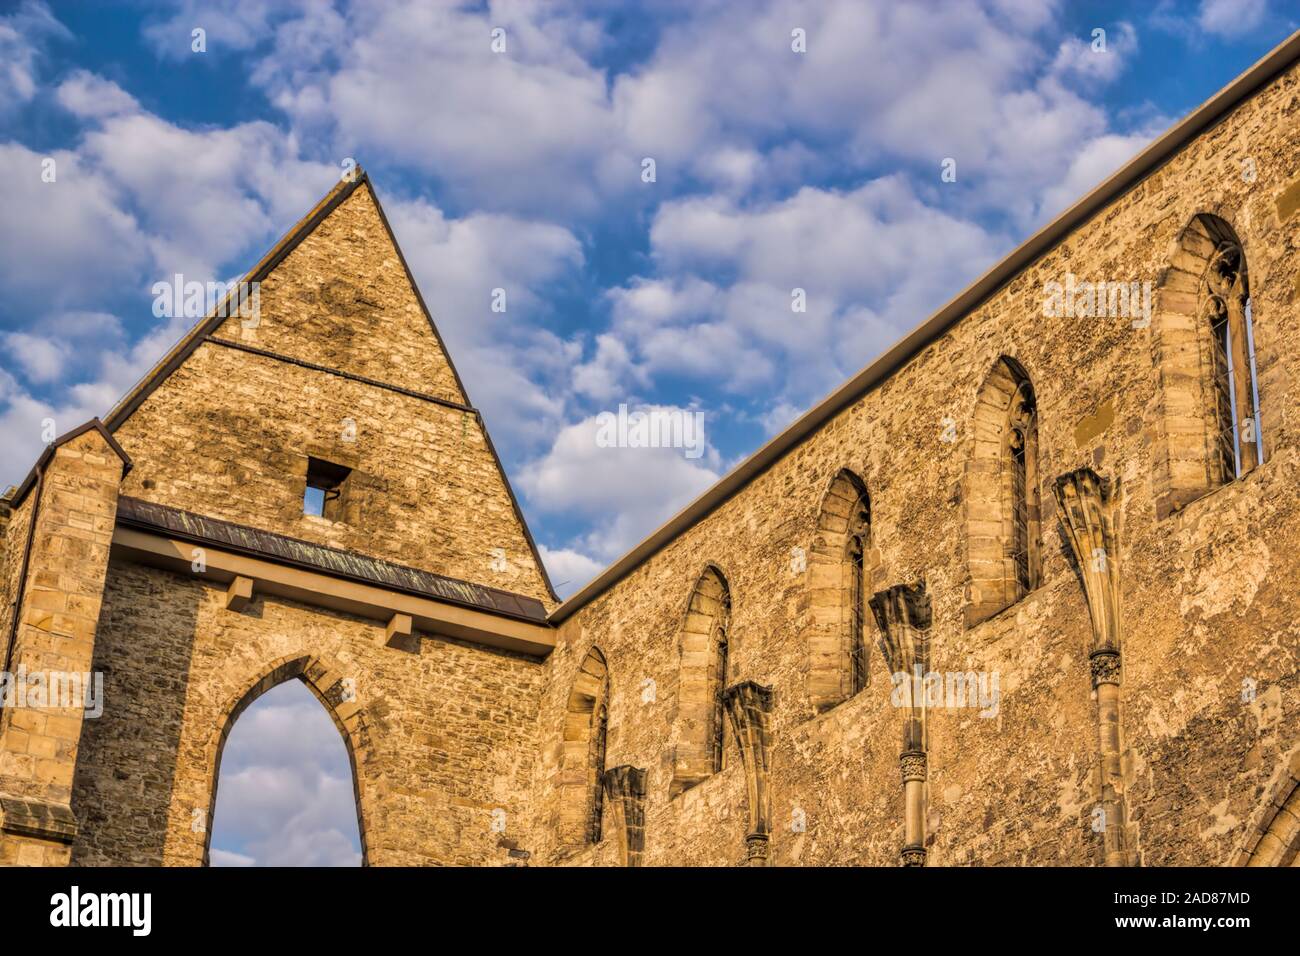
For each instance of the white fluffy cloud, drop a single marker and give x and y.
(1231, 17)
(420, 84)
(234, 24)
(725, 83)
(866, 261)
(42, 359)
(67, 242)
(722, 100)
(204, 195)
(137, 200)
(1094, 164)
(89, 96)
(1098, 57)
(84, 342)
(569, 570)
(22, 35)
(623, 492)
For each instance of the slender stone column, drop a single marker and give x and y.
(1090, 517)
(749, 705)
(903, 614)
(913, 765)
(625, 800)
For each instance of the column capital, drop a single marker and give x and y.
(912, 856)
(1105, 667)
(913, 765)
(625, 781)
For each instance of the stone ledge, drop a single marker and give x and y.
(427, 615)
(27, 816)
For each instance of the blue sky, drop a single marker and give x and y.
(522, 169)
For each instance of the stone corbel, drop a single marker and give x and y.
(1090, 515)
(749, 706)
(625, 799)
(903, 615)
(239, 594)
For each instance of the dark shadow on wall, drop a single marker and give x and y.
(126, 761)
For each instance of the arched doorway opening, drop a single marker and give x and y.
(285, 790)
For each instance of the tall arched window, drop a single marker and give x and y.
(1002, 493)
(1020, 466)
(1225, 303)
(841, 578)
(249, 722)
(1203, 345)
(717, 686)
(582, 760)
(705, 645)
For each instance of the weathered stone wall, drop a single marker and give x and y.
(1208, 592)
(228, 434)
(41, 724)
(342, 299)
(17, 525)
(465, 755)
(440, 738)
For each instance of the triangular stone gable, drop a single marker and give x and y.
(342, 298)
(343, 365)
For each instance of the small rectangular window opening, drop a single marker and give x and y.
(326, 483)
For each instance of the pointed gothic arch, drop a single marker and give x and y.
(702, 679)
(842, 565)
(1203, 348)
(337, 695)
(582, 759)
(1002, 499)
(1273, 837)
(1279, 844)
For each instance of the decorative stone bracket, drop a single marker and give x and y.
(749, 705)
(625, 800)
(904, 614)
(1090, 515)
(1089, 508)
